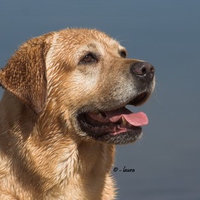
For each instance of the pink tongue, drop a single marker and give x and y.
(135, 119)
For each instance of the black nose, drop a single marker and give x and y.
(143, 70)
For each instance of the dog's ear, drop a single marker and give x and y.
(25, 74)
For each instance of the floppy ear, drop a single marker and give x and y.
(24, 75)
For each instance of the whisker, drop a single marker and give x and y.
(4, 132)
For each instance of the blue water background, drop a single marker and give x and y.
(167, 34)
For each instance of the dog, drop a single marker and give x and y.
(64, 110)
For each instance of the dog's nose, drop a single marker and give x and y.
(143, 70)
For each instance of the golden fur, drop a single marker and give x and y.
(43, 152)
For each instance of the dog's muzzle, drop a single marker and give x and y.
(120, 125)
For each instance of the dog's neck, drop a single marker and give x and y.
(54, 156)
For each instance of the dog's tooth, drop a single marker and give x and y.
(100, 115)
(124, 122)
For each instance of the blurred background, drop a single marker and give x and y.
(165, 33)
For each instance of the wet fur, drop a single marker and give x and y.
(43, 153)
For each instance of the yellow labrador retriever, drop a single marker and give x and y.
(64, 111)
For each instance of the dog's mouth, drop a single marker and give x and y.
(118, 126)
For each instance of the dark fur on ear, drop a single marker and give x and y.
(25, 74)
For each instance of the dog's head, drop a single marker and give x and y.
(84, 77)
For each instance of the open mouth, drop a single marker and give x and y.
(118, 126)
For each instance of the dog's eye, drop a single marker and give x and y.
(123, 54)
(89, 58)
